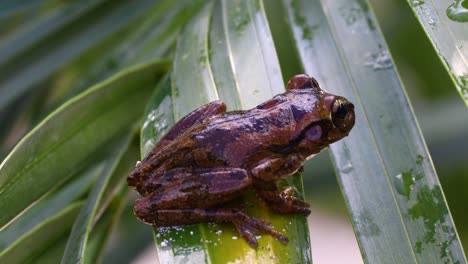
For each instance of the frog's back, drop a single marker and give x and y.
(230, 139)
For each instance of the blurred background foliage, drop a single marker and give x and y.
(52, 50)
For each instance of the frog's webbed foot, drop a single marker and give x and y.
(281, 202)
(249, 226)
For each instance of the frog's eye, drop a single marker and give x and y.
(342, 113)
(302, 81)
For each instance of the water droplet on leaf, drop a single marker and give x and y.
(379, 61)
(404, 183)
(347, 168)
(419, 159)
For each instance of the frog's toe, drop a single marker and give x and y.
(247, 232)
(305, 211)
(293, 201)
(297, 206)
(292, 206)
(249, 226)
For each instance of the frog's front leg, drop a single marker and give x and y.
(275, 167)
(266, 172)
(280, 202)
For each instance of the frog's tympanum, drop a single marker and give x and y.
(211, 156)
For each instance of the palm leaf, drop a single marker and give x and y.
(49, 231)
(50, 153)
(95, 56)
(18, 78)
(67, 172)
(53, 204)
(384, 161)
(108, 180)
(445, 25)
(199, 76)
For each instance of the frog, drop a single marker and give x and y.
(212, 156)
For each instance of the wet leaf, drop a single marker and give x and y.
(385, 171)
(76, 250)
(47, 232)
(66, 140)
(446, 25)
(227, 53)
(52, 204)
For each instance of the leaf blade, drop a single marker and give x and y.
(215, 243)
(49, 231)
(52, 204)
(386, 188)
(78, 240)
(446, 27)
(17, 78)
(95, 119)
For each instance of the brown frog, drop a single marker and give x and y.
(211, 156)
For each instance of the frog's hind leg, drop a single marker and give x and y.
(191, 199)
(194, 188)
(247, 226)
(150, 162)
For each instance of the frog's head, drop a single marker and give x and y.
(333, 116)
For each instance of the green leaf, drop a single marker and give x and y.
(66, 140)
(385, 171)
(107, 55)
(111, 179)
(78, 240)
(190, 58)
(53, 254)
(52, 204)
(159, 117)
(32, 31)
(45, 57)
(133, 236)
(446, 25)
(47, 232)
(107, 223)
(227, 53)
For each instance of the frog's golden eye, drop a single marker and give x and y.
(342, 113)
(302, 81)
